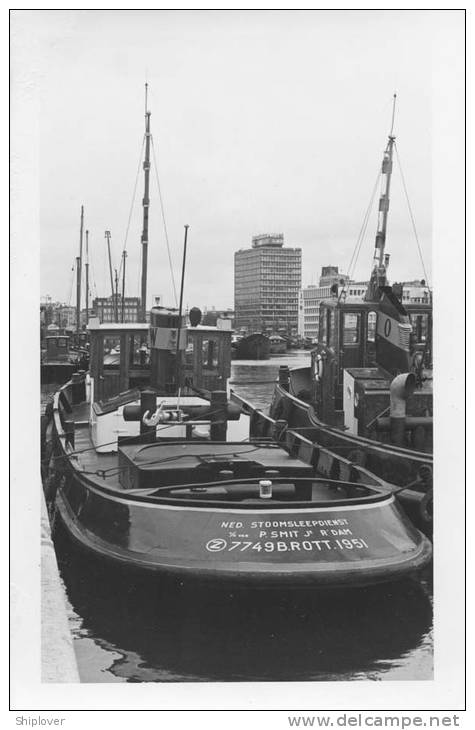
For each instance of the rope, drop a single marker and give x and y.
(71, 286)
(114, 471)
(93, 276)
(164, 221)
(364, 224)
(126, 439)
(132, 205)
(411, 216)
(361, 235)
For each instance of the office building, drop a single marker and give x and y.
(267, 281)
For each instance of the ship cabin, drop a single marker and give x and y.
(347, 339)
(56, 348)
(126, 356)
(362, 347)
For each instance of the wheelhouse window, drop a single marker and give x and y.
(419, 327)
(190, 348)
(351, 328)
(323, 327)
(210, 354)
(371, 326)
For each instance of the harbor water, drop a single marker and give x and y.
(133, 630)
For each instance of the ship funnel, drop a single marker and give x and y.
(165, 327)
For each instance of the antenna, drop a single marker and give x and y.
(394, 111)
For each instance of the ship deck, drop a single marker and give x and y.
(89, 460)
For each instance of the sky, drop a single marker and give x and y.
(271, 121)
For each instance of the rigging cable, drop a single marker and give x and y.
(124, 248)
(164, 221)
(93, 277)
(361, 235)
(71, 286)
(365, 225)
(411, 215)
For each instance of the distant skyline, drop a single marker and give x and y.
(263, 121)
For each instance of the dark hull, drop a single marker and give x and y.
(396, 465)
(255, 545)
(191, 544)
(253, 347)
(56, 372)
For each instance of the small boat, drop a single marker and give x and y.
(154, 469)
(278, 345)
(367, 393)
(252, 347)
(58, 362)
(164, 483)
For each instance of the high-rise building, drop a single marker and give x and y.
(267, 281)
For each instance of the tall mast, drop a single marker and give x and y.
(87, 277)
(114, 300)
(78, 298)
(180, 311)
(145, 204)
(78, 291)
(124, 256)
(116, 308)
(380, 261)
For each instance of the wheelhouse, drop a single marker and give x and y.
(57, 348)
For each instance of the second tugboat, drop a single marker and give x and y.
(368, 391)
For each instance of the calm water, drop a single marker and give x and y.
(135, 631)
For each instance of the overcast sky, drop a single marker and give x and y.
(262, 122)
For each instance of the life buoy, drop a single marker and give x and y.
(318, 367)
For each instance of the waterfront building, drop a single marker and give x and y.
(311, 296)
(105, 309)
(415, 292)
(267, 281)
(356, 289)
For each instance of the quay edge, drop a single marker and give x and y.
(58, 659)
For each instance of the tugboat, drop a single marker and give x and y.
(368, 391)
(59, 360)
(161, 480)
(256, 346)
(148, 465)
